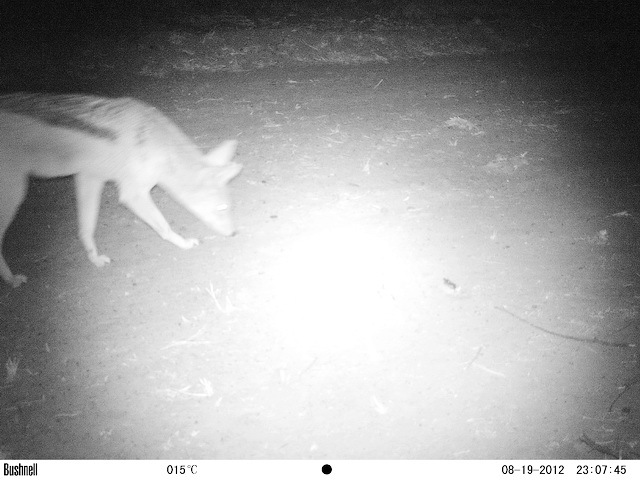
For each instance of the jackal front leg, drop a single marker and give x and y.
(88, 193)
(142, 205)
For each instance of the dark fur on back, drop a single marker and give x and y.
(67, 111)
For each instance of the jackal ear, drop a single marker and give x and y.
(228, 172)
(222, 154)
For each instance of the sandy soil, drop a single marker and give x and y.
(375, 301)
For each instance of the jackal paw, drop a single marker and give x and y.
(99, 260)
(190, 243)
(178, 241)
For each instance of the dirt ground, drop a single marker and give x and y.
(403, 230)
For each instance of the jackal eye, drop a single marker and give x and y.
(222, 206)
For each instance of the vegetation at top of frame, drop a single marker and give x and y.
(157, 37)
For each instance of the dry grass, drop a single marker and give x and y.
(198, 42)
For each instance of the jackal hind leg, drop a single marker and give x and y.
(12, 194)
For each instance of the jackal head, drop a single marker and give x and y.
(208, 195)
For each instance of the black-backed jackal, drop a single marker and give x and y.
(99, 140)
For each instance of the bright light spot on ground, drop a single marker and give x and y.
(335, 288)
